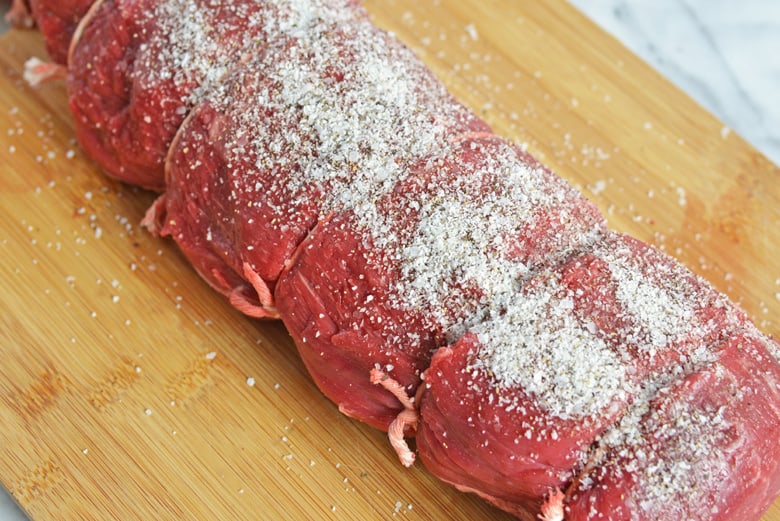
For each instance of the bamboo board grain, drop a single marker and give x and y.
(125, 382)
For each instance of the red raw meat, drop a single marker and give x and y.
(649, 304)
(371, 295)
(263, 157)
(138, 66)
(57, 21)
(325, 176)
(704, 449)
(544, 396)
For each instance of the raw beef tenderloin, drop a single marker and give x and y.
(702, 449)
(313, 123)
(553, 393)
(138, 66)
(325, 176)
(373, 292)
(57, 21)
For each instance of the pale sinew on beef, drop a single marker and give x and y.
(331, 175)
(138, 66)
(594, 382)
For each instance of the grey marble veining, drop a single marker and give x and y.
(724, 53)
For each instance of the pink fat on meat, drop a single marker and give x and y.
(317, 121)
(373, 293)
(138, 66)
(57, 21)
(529, 402)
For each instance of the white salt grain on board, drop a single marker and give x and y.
(598, 187)
(471, 29)
(681, 199)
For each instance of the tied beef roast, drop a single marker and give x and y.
(374, 291)
(138, 66)
(316, 122)
(614, 379)
(57, 21)
(436, 280)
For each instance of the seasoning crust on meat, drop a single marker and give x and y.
(438, 281)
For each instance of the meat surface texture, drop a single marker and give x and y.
(702, 449)
(619, 378)
(400, 290)
(57, 21)
(138, 67)
(317, 121)
(437, 281)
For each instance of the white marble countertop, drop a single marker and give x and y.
(724, 53)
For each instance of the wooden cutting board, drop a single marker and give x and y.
(129, 390)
